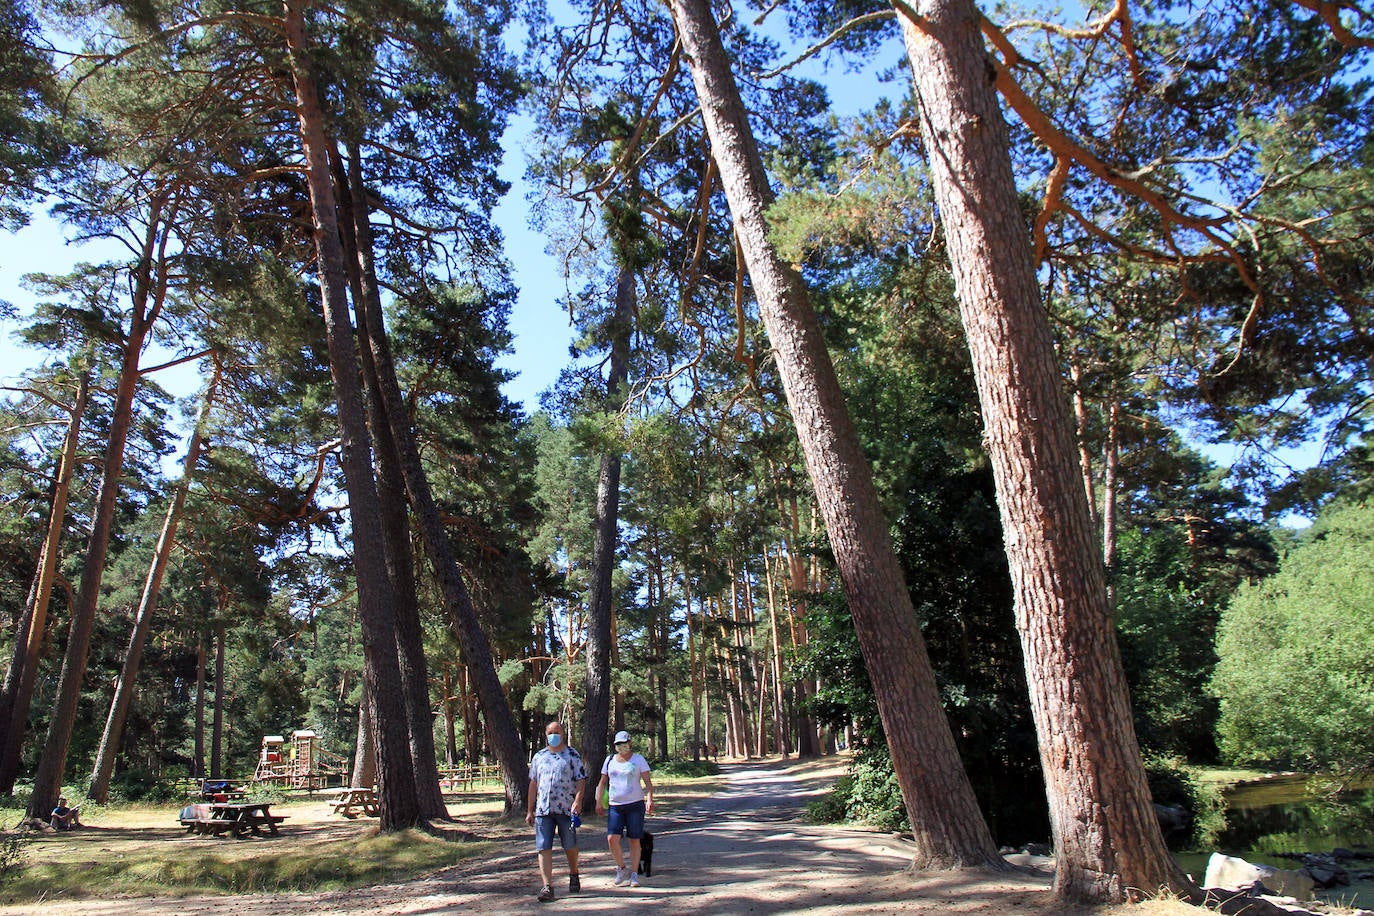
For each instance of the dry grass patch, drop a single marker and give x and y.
(142, 850)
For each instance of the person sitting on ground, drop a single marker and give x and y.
(64, 818)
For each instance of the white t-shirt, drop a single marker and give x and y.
(626, 787)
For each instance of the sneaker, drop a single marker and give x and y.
(546, 893)
(634, 879)
(621, 875)
(574, 884)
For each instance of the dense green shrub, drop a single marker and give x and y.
(874, 796)
(140, 785)
(833, 808)
(1296, 671)
(1170, 782)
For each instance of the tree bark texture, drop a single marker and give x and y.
(391, 495)
(217, 717)
(149, 294)
(1108, 844)
(1085, 457)
(503, 733)
(365, 749)
(397, 796)
(198, 727)
(28, 640)
(949, 829)
(596, 714)
(147, 605)
(1111, 464)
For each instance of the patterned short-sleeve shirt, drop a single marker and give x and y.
(557, 774)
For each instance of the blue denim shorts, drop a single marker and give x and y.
(626, 819)
(546, 824)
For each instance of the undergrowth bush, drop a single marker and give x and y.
(1172, 783)
(875, 797)
(140, 785)
(833, 808)
(12, 854)
(869, 793)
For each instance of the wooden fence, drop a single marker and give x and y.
(469, 778)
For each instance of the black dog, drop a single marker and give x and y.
(646, 855)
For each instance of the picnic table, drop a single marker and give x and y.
(349, 802)
(234, 818)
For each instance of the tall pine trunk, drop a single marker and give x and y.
(502, 732)
(198, 726)
(391, 495)
(365, 748)
(596, 714)
(399, 803)
(147, 605)
(1107, 842)
(1085, 455)
(1110, 466)
(149, 295)
(217, 717)
(949, 830)
(450, 721)
(28, 637)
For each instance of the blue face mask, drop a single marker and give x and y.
(555, 739)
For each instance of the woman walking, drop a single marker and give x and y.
(631, 797)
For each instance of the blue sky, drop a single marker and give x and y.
(540, 325)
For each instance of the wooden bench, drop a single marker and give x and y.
(352, 802)
(211, 826)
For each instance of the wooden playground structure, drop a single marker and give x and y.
(301, 764)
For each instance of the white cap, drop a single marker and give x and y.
(621, 737)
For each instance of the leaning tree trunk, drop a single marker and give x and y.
(948, 828)
(596, 714)
(147, 605)
(28, 637)
(503, 734)
(391, 494)
(149, 295)
(1107, 842)
(400, 806)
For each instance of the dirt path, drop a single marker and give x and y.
(744, 850)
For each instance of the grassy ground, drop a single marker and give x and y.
(135, 850)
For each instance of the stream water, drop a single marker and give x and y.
(1299, 814)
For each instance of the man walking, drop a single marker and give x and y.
(557, 781)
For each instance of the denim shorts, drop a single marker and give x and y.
(546, 824)
(626, 819)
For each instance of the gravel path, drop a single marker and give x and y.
(743, 850)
